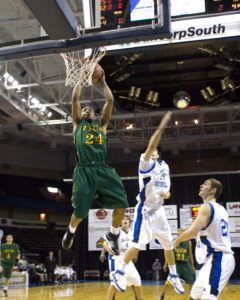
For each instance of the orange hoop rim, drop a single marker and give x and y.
(84, 60)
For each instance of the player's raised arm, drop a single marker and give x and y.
(201, 221)
(155, 139)
(76, 107)
(107, 108)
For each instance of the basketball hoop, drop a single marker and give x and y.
(79, 67)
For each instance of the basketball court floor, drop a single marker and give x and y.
(98, 291)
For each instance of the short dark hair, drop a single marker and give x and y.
(9, 235)
(215, 184)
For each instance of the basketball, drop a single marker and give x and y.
(97, 74)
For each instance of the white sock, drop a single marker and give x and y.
(5, 288)
(114, 230)
(173, 269)
(72, 230)
(123, 266)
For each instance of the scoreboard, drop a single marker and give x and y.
(117, 14)
(194, 211)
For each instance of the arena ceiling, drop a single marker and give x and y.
(164, 69)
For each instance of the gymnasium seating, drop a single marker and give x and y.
(40, 241)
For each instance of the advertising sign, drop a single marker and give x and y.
(233, 209)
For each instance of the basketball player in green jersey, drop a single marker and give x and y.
(9, 252)
(184, 263)
(92, 178)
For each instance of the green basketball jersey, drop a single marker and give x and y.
(9, 253)
(90, 142)
(182, 253)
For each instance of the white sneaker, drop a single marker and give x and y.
(175, 281)
(119, 280)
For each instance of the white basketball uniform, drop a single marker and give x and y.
(150, 218)
(214, 250)
(124, 241)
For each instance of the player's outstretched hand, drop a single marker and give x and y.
(166, 118)
(1, 268)
(102, 258)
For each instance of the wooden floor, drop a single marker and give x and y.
(98, 291)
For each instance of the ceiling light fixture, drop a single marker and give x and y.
(181, 99)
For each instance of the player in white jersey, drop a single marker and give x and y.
(124, 240)
(1, 234)
(213, 244)
(150, 218)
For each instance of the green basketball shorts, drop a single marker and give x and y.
(98, 182)
(184, 270)
(7, 270)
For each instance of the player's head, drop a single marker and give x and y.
(88, 113)
(23, 256)
(126, 222)
(212, 188)
(155, 154)
(9, 239)
(180, 231)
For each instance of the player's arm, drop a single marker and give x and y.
(201, 221)
(76, 107)
(191, 257)
(156, 137)
(102, 256)
(107, 108)
(18, 253)
(105, 245)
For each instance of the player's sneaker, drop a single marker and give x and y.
(5, 293)
(162, 297)
(175, 281)
(112, 240)
(119, 280)
(67, 240)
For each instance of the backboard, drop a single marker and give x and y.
(99, 24)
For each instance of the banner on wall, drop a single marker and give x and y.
(235, 239)
(171, 211)
(234, 224)
(185, 217)
(5, 222)
(233, 209)
(99, 223)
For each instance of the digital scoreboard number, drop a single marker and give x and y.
(112, 12)
(194, 211)
(218, 6)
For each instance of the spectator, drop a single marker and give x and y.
(42, 273)
(33, 275)
(156, 269)
(50, 265)
(72, 273)
(22, 264)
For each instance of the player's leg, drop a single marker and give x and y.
(111, 292)
(164, 290)
(84, 189)
(186, 274)
(142, 235)
(138, 291)
(111, 194)
(7, 272)
(220, 268)
(162, 233)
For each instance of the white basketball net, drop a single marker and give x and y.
(79, 69)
